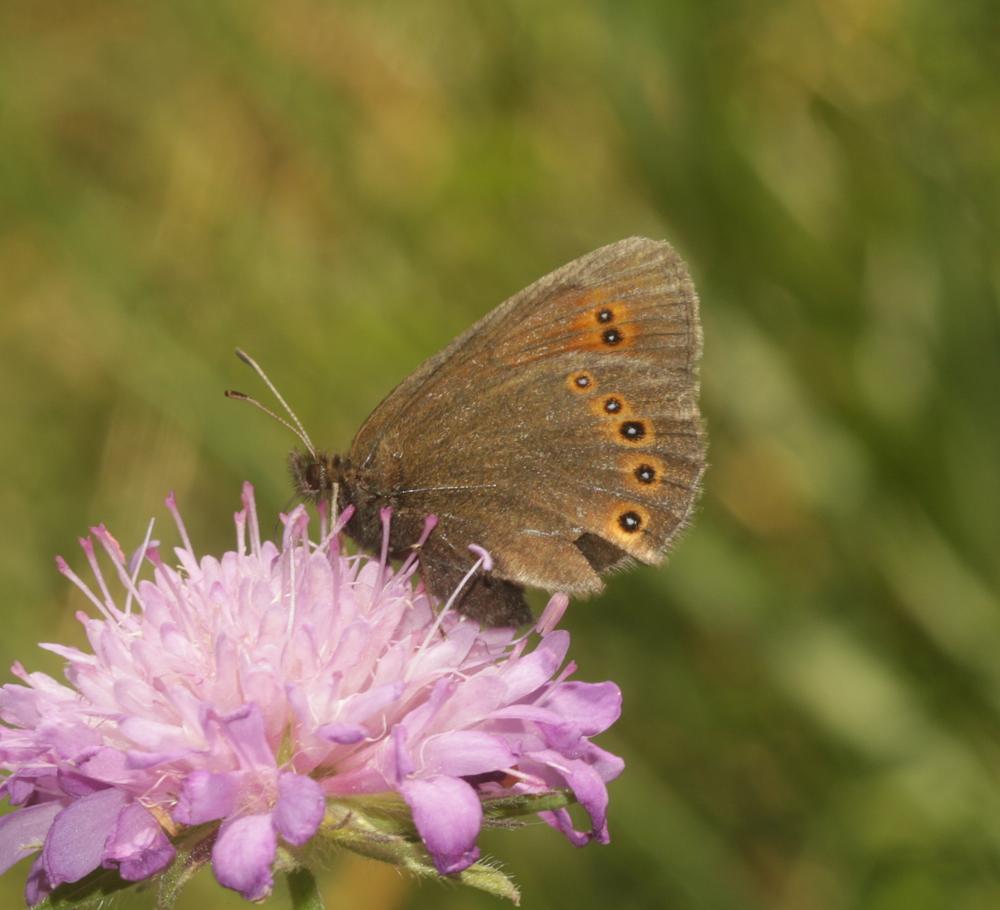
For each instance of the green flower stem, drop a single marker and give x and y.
(303, 890)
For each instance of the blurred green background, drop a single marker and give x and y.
(812, 686)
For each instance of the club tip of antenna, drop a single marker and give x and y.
(244, 356)
(239, 396)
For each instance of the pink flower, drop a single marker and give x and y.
(273, 691)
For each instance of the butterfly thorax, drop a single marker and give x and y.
(315, 477)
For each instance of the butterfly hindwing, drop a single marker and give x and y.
(561, 432)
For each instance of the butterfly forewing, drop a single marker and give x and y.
(561, 432)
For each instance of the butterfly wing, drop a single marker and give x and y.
(561, 432)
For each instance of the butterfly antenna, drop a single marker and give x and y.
(297, 429)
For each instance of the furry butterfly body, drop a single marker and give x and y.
(561, 433)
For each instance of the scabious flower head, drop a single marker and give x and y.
(278, 694)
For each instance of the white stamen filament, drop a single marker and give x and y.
(140, 557)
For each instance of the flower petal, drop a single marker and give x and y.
(205, 797)
(37, 887)
(525, 675)
(552, 614)
(75, 843)
(138, 846)
(153, 735)
(591, 707)
(23, 832)
(342, 734)
(465, 752)
(589, 789)
(360, 707)
(606, 764)
(300, 808)
(448, 815)
(562, 821)
(106, 764)
(245, 730)
(68, 741)
(243, 854)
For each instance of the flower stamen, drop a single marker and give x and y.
(139, 557)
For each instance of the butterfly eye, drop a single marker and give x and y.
(632, 430)
(630, 522)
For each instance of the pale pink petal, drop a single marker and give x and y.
(343, 734)
(245, 730)
(448, 815)
(206, 796)
(300, 808)
(562, 821)
(552, 614)
(590, 707)
(589, 789)
(243, 854)
(153, 735)
(73, 783)
(463, 753)
(137, 846)
(606, 764)
(108, 765)
(360, 707)
(75, 843)
(23, 831)
(37, 887)
(67, 741)
(525, 676)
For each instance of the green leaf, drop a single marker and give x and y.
(490, 879)
(91, 891)
(503, 807)
(303, 890)
(192, 853)
(382, 829)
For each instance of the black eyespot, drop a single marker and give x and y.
(612, 405)
(632, 429)
(582, 381)
(645, 473)
(605, 315)
(611, 336)
(630, 522)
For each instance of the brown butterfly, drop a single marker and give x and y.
(561, 433)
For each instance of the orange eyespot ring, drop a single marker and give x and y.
(642, 470)
(627, 524)
(612, 407)
(630, 522)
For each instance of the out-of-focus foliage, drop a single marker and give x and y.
(812, 686)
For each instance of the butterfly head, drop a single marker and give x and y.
(315, 475)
